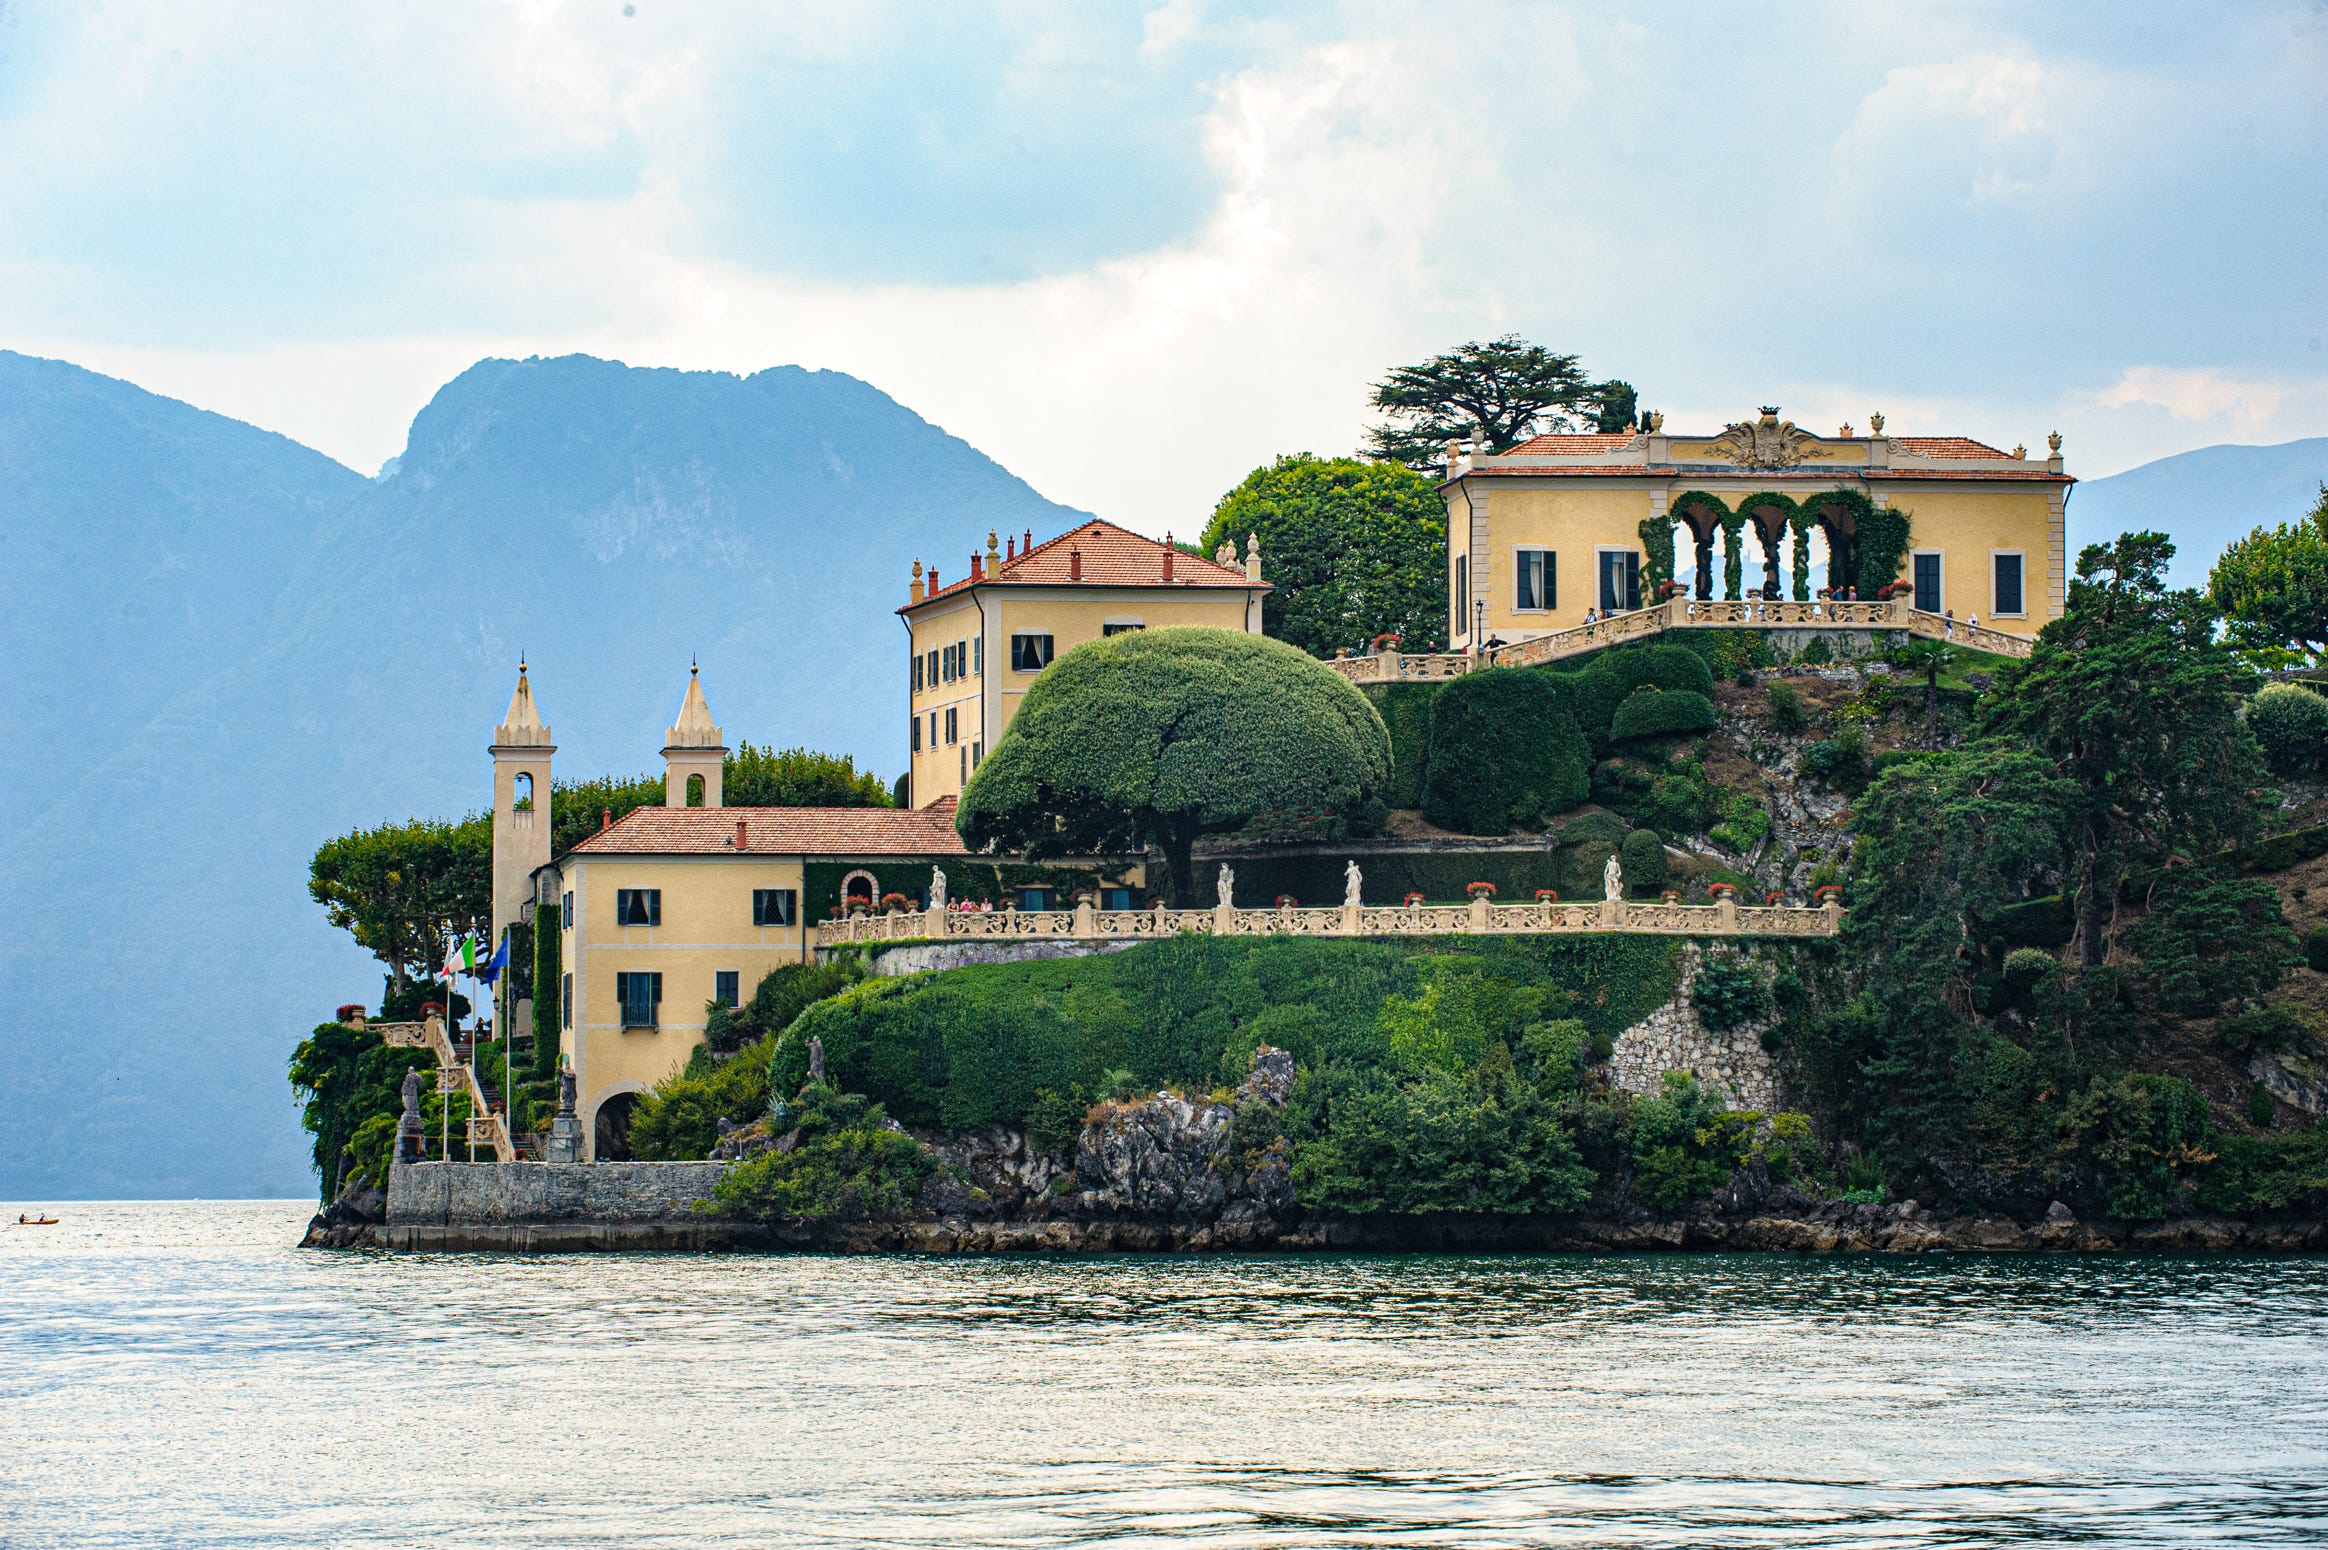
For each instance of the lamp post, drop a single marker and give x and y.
(1478, 623)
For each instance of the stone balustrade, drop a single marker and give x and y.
(1686, 613)
(1481, 917)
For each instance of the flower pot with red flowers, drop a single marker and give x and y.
(1827, 893)
(1775, 897)
(351, 1014)
(1670, 896)
(1722, 890)
(1547, 896)
(1480, 890)
(1286, 901)
(1413, 901)
(1386, 643)
(896, 903)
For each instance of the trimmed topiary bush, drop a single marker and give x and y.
(1650, 712)
(1505, 753)
(2292, 724)
(1643, 859)
(1788, 714)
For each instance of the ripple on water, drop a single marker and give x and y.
(178, 1375)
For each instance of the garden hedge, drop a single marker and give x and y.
(1652, 712)
(1505, 753)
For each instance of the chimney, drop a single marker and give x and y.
(975, 573)
(917, 582)
(1010, 548)
(1074, 565)
(605, 819)
(1168, 552)
(743, 836)
(933, 581)
(1027, 542)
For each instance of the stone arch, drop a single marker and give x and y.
(1771, 515)
(857, 885)
(695, 791)
(609, 1123)
(1704, 515)
(1839, 514)
(521, 791)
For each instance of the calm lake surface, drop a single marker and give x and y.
(178, 1374)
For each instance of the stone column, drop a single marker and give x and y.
(1224, 920)
(934, 920)
(1612, 916)
(1086, 918)
(1726, 911)
(1479, 917)
(1353, 919)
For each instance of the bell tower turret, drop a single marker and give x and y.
(693, 747)
(521, 805)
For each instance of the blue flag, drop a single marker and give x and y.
(490, 970)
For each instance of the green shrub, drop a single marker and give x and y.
(2044, 922)
(1788, 713)
(677, 1120)
(2261, 1111)
(1505, 753)
(1839, 761)
(2291, 723)
(2145, 1134)
(1745, 824)
(1817, 653)
(1435, 1141)
(2279, 1172)
(1643, 860)
(2026, 968)
(1406, 713)
(846, 1165)
(2316, 949)
(1682, 1148)
(1727, 993)
(2272, 1026)
(1670, 796)
(1652, 712)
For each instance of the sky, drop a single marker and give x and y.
(1133, 251)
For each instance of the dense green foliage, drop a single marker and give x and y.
(2291, 724)
(1352, 549)
(2132, 697)
(1503, 389)
(1405, 709)
(549, 992)
(402, 890)
(727, 1077)
(1504, 754)
(1653, 712)
(2273, 587)
(1161, 736)
(2211, 937)
(846, 1164)
(797, 777)
(1643, 861)
(347, 1080)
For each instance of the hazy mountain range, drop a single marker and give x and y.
(224, 648)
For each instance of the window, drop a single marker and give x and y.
(977, 656)
(723, 985)
(1030, 653)
(1531, 589)
(1122, 626)
(933, 729)
(640, 995)
(917, 734)
(953, 725)
(1035, 898)
(775, 906)
(565, 1000)
(2005, 599)
(932, 658)
(977, 752)
(1115, 898)
(638, 906)
(566, 910)
(1927, 574)
(1620, 579)
(917, 673)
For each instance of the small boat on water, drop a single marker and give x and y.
(35, 1221)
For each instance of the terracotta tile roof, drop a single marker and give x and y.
(1947, 446)
(1570, 445)
(780, 831)
(1112, 557)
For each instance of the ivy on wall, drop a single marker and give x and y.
(1711, 513)
(549, 990)
(1657, 549)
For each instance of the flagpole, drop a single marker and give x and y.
(444, 1098)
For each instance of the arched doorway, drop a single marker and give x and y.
(858, 888)
(610, 1132)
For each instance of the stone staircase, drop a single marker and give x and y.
(455, 1075)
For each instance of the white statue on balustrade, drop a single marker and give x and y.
(1225, 887)
(1352, 878)
(1613, 878)
(937, 888)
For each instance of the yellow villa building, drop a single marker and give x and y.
(976, 644)
(1560, 525)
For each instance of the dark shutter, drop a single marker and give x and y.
(1551, 578)
(1928, 583)
(1632, 579)
(2008, 599)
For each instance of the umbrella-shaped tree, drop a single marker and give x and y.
(1162, 736)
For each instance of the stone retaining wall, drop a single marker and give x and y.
(436, 1194)
(1732, 1063)
(923, 957)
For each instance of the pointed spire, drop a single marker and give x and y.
(694, 728)
(522, 726)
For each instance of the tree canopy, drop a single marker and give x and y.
(2273, 586)
(1507, 387)
(2136, 702)
(1161, 736)
(403, 889)
(1354, 549)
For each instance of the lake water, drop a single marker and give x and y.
(180, 1375)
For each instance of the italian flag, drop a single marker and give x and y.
(461, 960)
